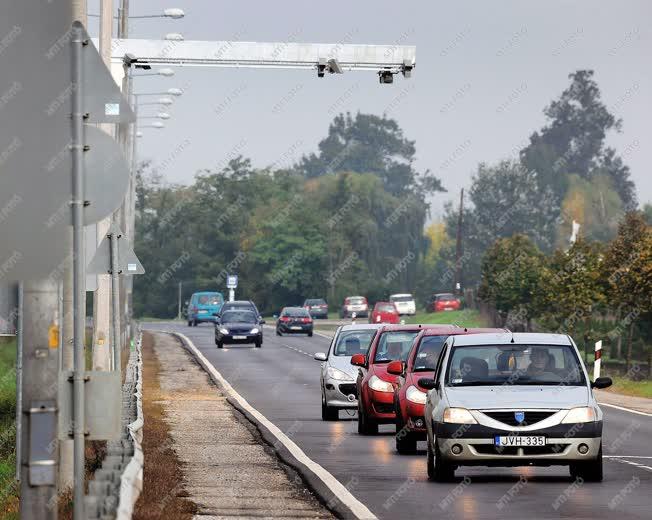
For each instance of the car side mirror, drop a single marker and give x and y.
(602, 382)
(262, 322)
(396, 368)
(320, 356)
(358, 360)
(428, 384)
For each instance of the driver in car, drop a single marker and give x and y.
(538, 361)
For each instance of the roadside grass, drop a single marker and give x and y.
(625, 386)
(163, 494)
(463, 318)
(8, 487)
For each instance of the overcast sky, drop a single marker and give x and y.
(485, 70)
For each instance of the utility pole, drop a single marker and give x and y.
(179, 307)
(39, 453)
(458, 247)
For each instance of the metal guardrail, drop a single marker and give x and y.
(116, 486)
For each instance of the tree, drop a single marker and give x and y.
(511, 278)
(573, 141)
(370, 144)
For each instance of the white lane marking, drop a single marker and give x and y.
(631, 463)
(625, 409)
(296, 350)
(338, 489)
(627, 457)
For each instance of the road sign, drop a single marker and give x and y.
(232, 281)
(128, 262)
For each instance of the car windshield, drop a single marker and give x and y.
(315, 302)
(356, 301)
(385, 307)
(428, 353)
(485, 365)
(237, 316)
(445, 297)
(210, 299)
(296, 312)
(393, 346)
(407, 298)
(242, 305)
(350, 342)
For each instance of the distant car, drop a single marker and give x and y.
(355, 304)
(203, 306)
(241, 305)
(337, 380)
(294, 320)
(317, 307)
(239, 326)
(374, 384)
(405, 304)
(518, 399)
(384, 312)
(444, 302)
(409, 397)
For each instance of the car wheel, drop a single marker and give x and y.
(259, 344)
(405, 441)
(310, 334)
(195, 323)
(366, 426)
(328, 413)
(189, 323)
(590, 471)
(443, 471)
(278, 332)
(430, 462)
(219, 344)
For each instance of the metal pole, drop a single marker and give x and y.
(39, 447)
(79, 268)
(123, 19)
(458, 248)
(19, 380)
(115, 299)
(179, 307)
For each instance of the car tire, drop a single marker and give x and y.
(366, 426)
(310, 334)
(258, 344)
(195, 323)
(590, 471)
(278, 332)
(406, 443)
(189, 323)
(219, 344)
(328, 413)
(439, 469)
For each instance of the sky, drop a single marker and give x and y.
(484, 72)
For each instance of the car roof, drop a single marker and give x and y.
(400, 294)
(240, 302)
(207, 292)
(456, 329)
(361, 326)
(294, 308)
(519, 338)
(399, 328)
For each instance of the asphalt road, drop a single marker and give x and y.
(281, 380)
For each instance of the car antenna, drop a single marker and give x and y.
(511, 340)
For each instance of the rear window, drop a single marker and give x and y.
(241, 305)
(407, 298)
(393, 346)
(210, 299)
(428, 353)
(316, 302)
(356, 301)
(295, 312)
(385, 307)
(445, 297)
(352, 342)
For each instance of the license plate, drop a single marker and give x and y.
(513, 440)
(239, 337)
(295, 328)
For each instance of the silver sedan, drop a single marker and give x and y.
(513, 400)
(338, 376)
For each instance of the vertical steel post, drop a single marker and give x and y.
(115, 299)
(39, 446)
(179, 306)
(19, 379)
(79, 268)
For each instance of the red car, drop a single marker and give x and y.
(445, 302)
(385, 312)
(409, 397)
(375, 386)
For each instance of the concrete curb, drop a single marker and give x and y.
(333, 494)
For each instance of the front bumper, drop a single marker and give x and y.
(337, 393)
(415, 422)
(248, 338)
(382, 406)
(478, 448)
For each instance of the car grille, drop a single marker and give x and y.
(548, 449)
(349, 388)
(531, 417)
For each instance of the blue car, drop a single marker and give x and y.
(203, 306)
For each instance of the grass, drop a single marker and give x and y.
(625, 386)
(8, 489)
(463, 318)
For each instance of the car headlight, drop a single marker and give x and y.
(583, 414)
(376, 383)
(458, 416)
(415, 395)
(339, 375)
(254, 331)
(223, 330)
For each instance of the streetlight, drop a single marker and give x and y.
(175, 37)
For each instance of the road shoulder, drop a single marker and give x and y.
(639, 404)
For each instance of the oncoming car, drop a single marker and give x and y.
(239, 326)
(517, 399)
(337, 379)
